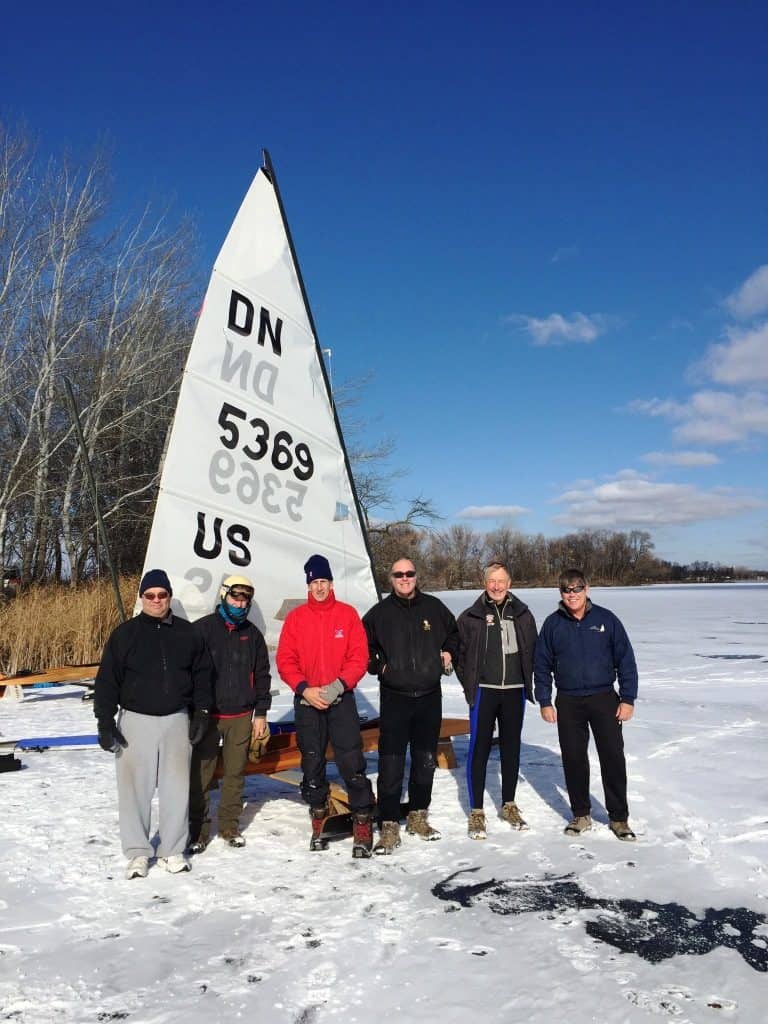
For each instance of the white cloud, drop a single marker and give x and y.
(565, 252)
(712, 417)
(743, 359)
(751, 298)
(556, 329)
(718, 417)
(681, 458)
(639, 502)
(491, 511)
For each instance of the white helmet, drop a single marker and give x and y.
(235, 581)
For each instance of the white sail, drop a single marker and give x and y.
(255, 477)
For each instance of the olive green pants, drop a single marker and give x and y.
(234, 735)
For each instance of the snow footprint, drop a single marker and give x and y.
(318, 987)
(580, 958)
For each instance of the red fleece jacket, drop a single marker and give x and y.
(321, 641)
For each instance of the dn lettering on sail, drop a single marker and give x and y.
(262, 379)
(240, 320)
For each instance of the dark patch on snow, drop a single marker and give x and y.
(116, 1015)
(253, 979)
(307, 1016)
(654, 931)
(731, 657)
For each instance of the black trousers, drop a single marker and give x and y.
(340, 725)
(508, 708)
(405, 721)
(575, 717)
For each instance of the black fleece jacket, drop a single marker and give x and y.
(154, 667)
(405, 638)
(241, 666)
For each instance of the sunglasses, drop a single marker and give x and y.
(408, 574)
(161, 595)
(240, 595)
(572, 590)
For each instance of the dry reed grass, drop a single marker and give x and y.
(51, 626)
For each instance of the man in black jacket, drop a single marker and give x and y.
(412, 641)
(241, 701)
(495, 666)
(156, 669)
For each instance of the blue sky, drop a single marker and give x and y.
(543, 229)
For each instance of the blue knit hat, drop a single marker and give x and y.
(155, 578)
(318, 568)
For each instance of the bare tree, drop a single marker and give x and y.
(111, 310)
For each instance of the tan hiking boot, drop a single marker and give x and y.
(581, 823)
(511, 814)
(622, 831)
(476, 824)
(389, 838)
(416, 824)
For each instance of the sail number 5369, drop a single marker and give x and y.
(284, 454)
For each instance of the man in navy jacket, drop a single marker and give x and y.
(586, 649)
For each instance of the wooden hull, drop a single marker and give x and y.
(283, 753)
(79, 675)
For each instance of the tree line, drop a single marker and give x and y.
(454, 558)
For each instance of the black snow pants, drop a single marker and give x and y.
(340, 725)
(575, 717)
(407, 720)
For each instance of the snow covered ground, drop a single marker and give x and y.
(530, 927)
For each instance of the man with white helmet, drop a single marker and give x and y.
(241, 701)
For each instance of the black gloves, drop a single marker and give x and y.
(110, 737)
(198, 726)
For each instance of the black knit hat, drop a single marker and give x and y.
(318, 568)
(155, 578)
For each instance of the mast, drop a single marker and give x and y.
(269, 170)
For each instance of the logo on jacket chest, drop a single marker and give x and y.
(426, 626)
(598, 629)
(339, 633)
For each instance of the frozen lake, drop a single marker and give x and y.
(531, 927)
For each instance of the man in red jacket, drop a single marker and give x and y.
(322, 655)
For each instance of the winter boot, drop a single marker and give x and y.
(199, 844)
(476, 824)
(510, 813)
(622, 831)
(137, 867)
(362, 834)
(233, 837)
(580, 823)
(416, 824)
(317, 816)
(389, 838)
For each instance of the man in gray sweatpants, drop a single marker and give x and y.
(157, 671)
